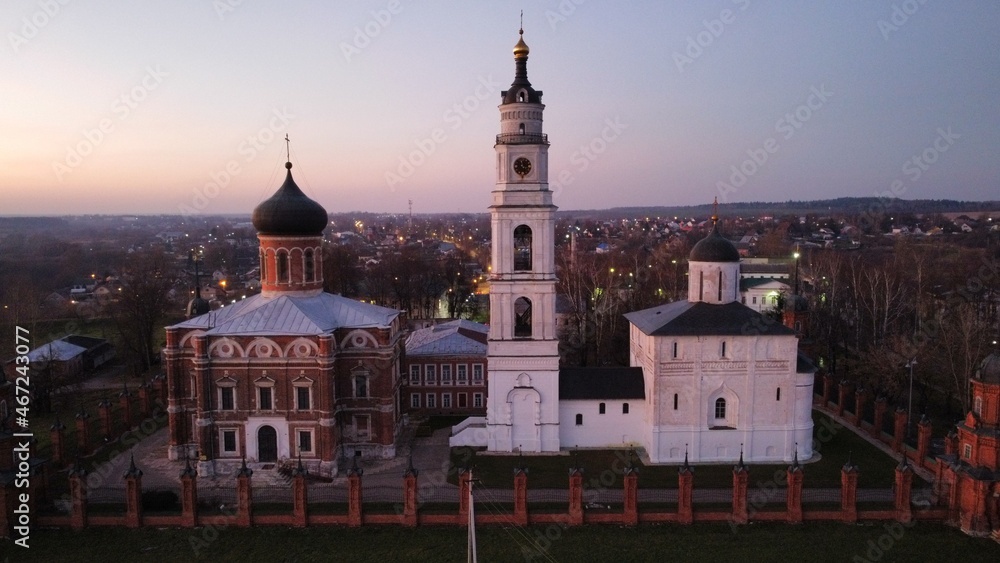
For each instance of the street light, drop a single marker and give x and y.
(909, 408)
(796, 256)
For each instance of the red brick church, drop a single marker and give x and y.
(292, 372)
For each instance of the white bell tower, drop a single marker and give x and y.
(523, 401)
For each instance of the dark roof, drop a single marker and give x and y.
(684, 318)
(714, 248)
(576, 384)
(750, 283)
(532, 96)
(289, 212)
(989, 369)
(803, 364)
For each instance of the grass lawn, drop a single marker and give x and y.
(703, 542)
(835, 443)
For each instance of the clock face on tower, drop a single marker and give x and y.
(522, 166)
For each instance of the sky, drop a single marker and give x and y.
(182, 106)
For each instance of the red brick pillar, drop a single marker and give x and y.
(904, 481)
(951, 443)
(189, 496)
(125, 399)
(849, 493)
(145, 400)
(576, 496)
(923, 440)
(410, 496)
(354, 495)
(859, 406)
(842, 397)
(793, 501)
(244, 496)
(631, 497)
(464, 476)
(521, 496)
(827, 389)
(741, 478)
(133, 495)
(972, 499)
(58, 446)
(78, 497)
(685, 490)
(899, 430)
(107, 426)
(880, 406)
(82, 433)
(300, 497)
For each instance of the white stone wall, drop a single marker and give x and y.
(609, 430)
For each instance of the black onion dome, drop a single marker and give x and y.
(289, 212)
(714, 248)
(989, 370)
(197, 307)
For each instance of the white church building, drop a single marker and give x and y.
(710, 377)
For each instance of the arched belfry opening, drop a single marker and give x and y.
(522, 318)
(522, 248)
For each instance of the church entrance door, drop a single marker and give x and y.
(267, 444)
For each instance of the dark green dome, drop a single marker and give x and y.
(289, 212)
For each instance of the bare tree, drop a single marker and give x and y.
(140, 307)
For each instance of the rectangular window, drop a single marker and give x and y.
(229, 441)
(675, 401)
(431, 400)
(777, 394)
(755, 300)
(360, 386)
(430, 374)
(446, 374)
(462, 374)
(446, 401)
(967, 451)
(477, 374)
(477, 400)
(415, 374)
(362, 428)
(302, 398)
(227, 400)
(722, 351)
(600, 408)
(463, 400)
(675, 350)
(305, 441)
(415, 400)
(265, 402)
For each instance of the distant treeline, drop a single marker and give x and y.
(823, 207)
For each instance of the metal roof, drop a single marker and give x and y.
(291, 315)
(57, 350)
(684, 318)
(453, 338)
(577, 384)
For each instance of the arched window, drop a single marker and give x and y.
(520, 129)
(720, 285)
(977, 405)
(520, 96)
(263, 266)
(722, 351)
(579, 420)
(675, 350)
(720, 408)
(522, 318)
(522, 248)
(624, 408)
(777, 394)
(282, 267)
(600, 408)
(310, 268)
